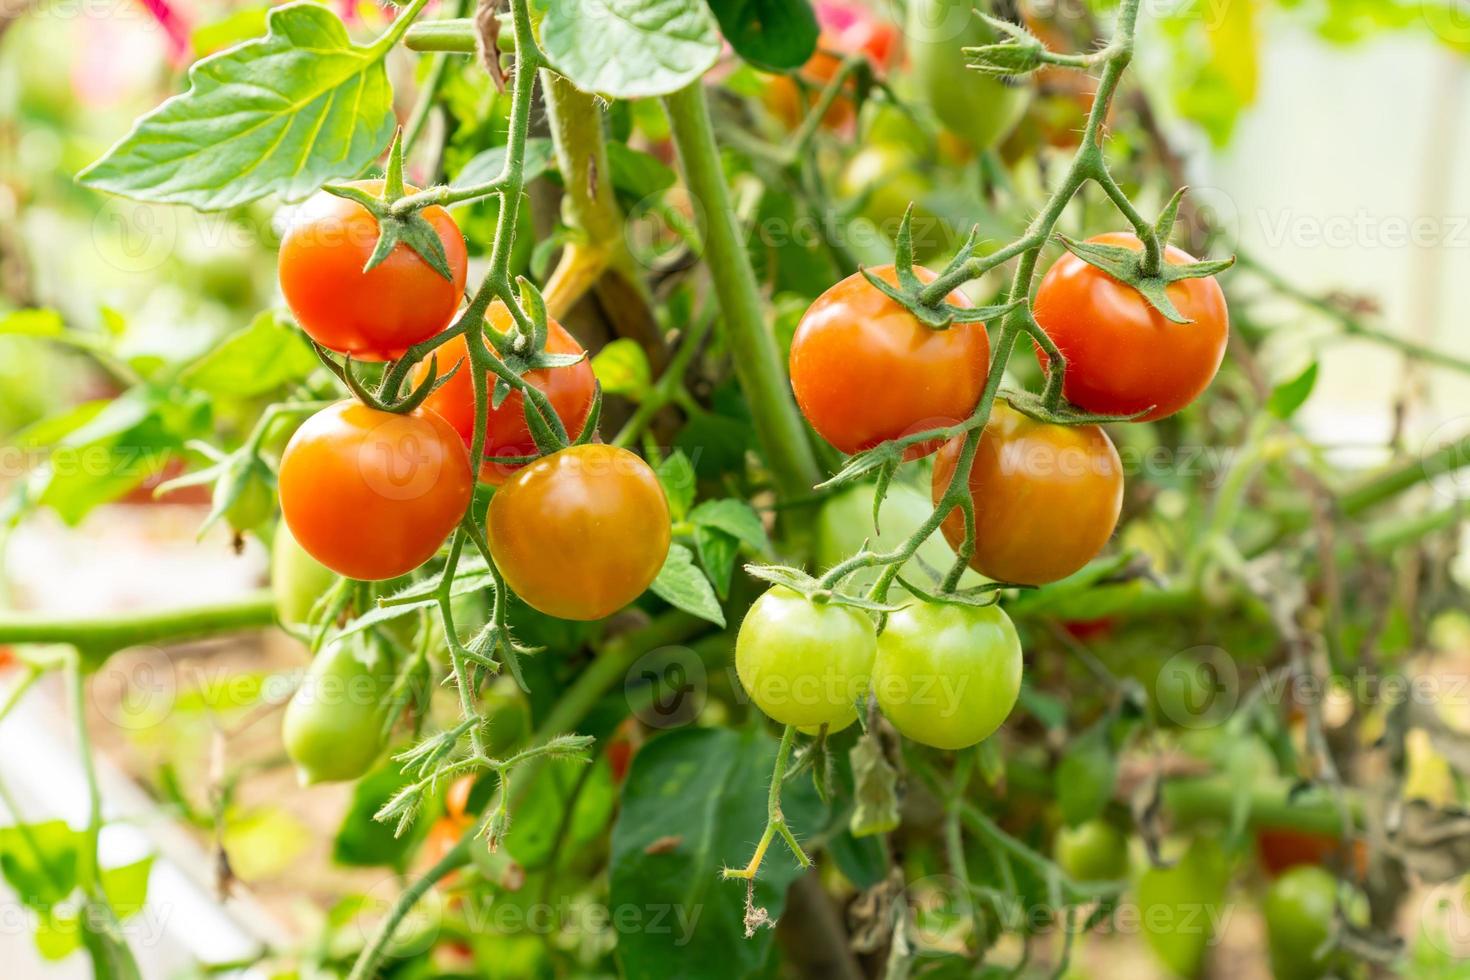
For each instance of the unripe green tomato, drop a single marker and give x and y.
(1179, 906)
(805, 663)
(1299, 907)
(846, 521)
(1094, 850)
(297, 579)
(891, 126)
(978, 107)
(333, 727)
(947, 675)
(252, 506)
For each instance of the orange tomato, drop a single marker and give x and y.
(370, 494)
(865, 370)
(581, 533)
(1046, 497)
(374, 315)
(1123, 356)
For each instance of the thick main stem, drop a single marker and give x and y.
(778, 426)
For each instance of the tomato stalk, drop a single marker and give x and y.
(758, 367)
(775, 821)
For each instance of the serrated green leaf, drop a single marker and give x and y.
(694, 802)
(681, 584)
(282, 115)
(622, 368)
(717, 553)
(253, 361)
(630, 49)
(487, 164)
(736, 518)
(676, 475)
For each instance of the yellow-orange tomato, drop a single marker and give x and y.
(374, 315)
(1124, 356)
(1046, 497)
(865, 370)
(570, 390)
(370, 494)
(581, 533)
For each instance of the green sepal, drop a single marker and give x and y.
(939, 316)
(594, 415)
(800, 582)
(1164, 224)
(411, 229)
(858, 465)
(979, 596)
(541, 432)
(880, 490)
(1020, 53)
(1033, 406)
(393, 186)
(500, 393)
(1126, 266)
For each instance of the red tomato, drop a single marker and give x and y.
(376, 315)
(1283, 848)
(1046, 497)
(1123, 356)
(570, 389)
(865, 370)
(371, 494)
(581, 533)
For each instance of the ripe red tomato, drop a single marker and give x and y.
(1123, 356)
(865, 370)
(581, 533)
(1046, 496)
(370, 494)
(375, 315)
(570, 389)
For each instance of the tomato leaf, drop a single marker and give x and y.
(676, 476)
(681, 584)
(717, 553)
(39, 862)
(281, 114)
(637, 174)
(630, 48)
(622, 368)
(773, 34)
(736, 518)
(1291, 395)
(252, 361)
(693, 803)
(487, 164)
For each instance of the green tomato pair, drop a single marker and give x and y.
(945, 675)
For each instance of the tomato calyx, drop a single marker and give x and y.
(908, 293)
(244, 486)
(382, 400)
(814, 590)
(396, 227)
(978, 597)
(1132, 267)
(1019, 53)
(1060, 411)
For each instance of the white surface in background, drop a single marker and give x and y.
(182, 923)
(1327, 175)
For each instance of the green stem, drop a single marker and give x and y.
(366, 967)
(104, 634)
(753, 350)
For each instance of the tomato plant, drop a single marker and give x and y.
(947, 675)
(1124, 357)
(350, 467)
(569, 389)
(371, 314)
(865, 370)
(580, 533)
(1046, 497)
(621, 467)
